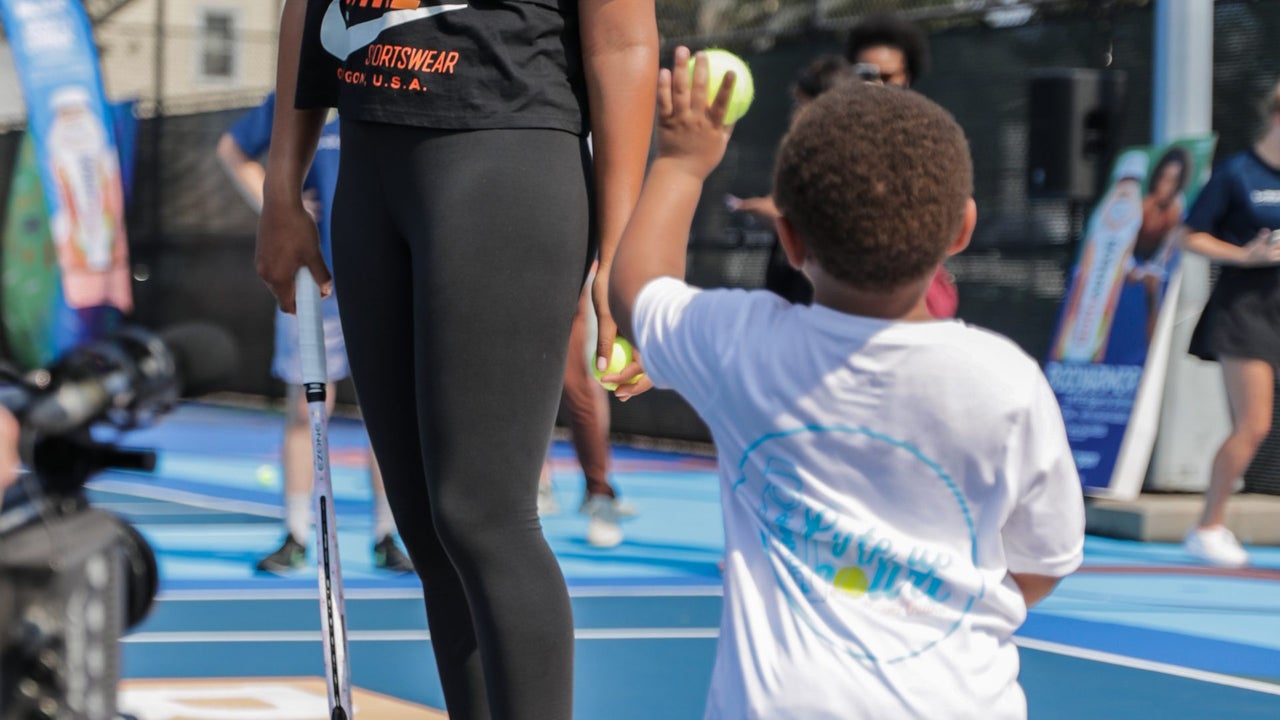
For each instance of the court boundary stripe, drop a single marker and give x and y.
(410, 593)
(310, 636)
(191, 499)
(1187, 673)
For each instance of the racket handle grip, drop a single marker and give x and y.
(310, 329)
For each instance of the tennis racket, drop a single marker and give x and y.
(333, 612)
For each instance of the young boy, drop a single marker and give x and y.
(897, 490)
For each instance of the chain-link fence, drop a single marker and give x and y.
(191, 235)
(1014, 275)
(984, 54)
(759, 24)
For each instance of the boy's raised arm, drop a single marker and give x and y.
(692, 139)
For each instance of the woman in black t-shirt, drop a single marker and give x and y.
(467, 212)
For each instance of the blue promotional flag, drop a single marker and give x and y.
(78, 162)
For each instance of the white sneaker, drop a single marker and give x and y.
(1216, 546)
(622, 509)
(603, 531)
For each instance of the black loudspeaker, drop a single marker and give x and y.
(1074, 128)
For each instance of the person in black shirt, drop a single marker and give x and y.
(468, 210)
(1232, 223)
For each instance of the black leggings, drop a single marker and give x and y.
(460, 256)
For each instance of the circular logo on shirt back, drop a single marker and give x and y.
(871, 542)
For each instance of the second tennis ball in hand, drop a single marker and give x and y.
(619, 359)
(720, 62)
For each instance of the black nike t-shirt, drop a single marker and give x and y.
(446, 64)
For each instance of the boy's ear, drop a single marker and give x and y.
(967, 224)
(792, 244)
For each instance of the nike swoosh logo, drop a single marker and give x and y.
(340, 41)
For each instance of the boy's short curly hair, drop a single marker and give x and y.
(891, 31)
(875, 179)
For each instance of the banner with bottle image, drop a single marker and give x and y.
(1107, 361)
(76, 156)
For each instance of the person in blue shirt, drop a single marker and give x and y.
(237, 150)
(1231, 224)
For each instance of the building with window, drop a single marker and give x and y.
(191, 54)
(181, 55)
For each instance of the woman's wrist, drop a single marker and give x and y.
(281, 191)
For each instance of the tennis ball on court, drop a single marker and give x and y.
(720, 62)
(266, 474)
(619, 359)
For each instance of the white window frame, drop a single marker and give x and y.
(203, 41)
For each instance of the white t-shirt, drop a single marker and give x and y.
(879, 481)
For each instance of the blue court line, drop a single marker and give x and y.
(645, 644)
(407, 614)
(1190, 651)
(1067, 687)
(665, 673)
(198, 493)
(1111, 551)
(403, 610)
(176, 508)
(624, 679)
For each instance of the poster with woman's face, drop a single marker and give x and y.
(1110, 315)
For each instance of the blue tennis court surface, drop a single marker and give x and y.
(1139, 632)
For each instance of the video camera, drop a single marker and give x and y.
(74, 578)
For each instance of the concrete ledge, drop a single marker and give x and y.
(1153, 517)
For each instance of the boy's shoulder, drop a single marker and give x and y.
(979, 357)
(984, 340)
(718, 300)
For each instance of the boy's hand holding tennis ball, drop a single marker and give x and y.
(624, 376)
(696, 108)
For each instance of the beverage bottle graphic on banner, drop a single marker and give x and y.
(88, 228)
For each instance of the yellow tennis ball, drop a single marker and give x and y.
(618, 359)
(266, 474)
(720, 62)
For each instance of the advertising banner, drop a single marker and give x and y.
(76, 156)
(1106, 364)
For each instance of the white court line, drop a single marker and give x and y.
(139, 508)
(289, 636)
(1148, 665)
(648, 591)
(409, 593)
(181, 497)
